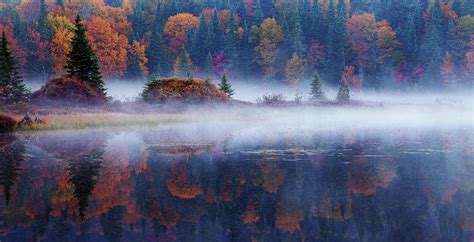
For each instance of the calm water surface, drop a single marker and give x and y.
(204, 183)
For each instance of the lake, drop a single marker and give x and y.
(208, 182)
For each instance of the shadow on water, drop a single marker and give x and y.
(190, 184)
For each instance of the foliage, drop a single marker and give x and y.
(176, 28)
(68, 90)
(294, 70)
(6, 123)
(271, 99)
(182, 90)
(270, 35)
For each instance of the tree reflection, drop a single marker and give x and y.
(83, 174)
(11, 157)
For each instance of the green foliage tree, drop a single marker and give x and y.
(317, 92)
(82, 61)
(335, 41)
(12, 88)
(156, 52)
(226, 86)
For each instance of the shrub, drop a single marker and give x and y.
(271, 99)
(6, 123)
(182, 90)
(68, 90)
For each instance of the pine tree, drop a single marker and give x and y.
(336, 39)
(343, 95)
(226, 87)
(198, 50)
(43, 26)
(231, 39)
(317, 31)
(258, 13)
(298, 37)
(215, 36)
(156, 53)
(12, 88)
(82, 61)
(317, 92)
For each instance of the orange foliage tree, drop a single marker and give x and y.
(272, 175)
(270, 34)
(179, 185)
(137, 56)
(60, 47)
(288, 218)
(110, 46)
(447, 70)
(176, 27)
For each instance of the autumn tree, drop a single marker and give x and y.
(82, 61)
(294, 70)
(110, 46)
(12, 89)
(176, 28)
(270, 35)
(447, 70)
(343, 94)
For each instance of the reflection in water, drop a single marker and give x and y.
(166, 185)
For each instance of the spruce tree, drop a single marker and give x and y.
(258, 13)
(82, 61)
(226, 86)
(343, 95)
(12, 88)
(198, 51)
(317, 92)
(335, 41)
(156, 51)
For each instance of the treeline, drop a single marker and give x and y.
(402, 44)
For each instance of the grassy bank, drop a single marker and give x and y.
(92, 120)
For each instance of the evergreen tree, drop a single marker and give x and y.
(156, 51)
(82, 62)
(198, 50)
(60, 3)
(410, 39)
(215, 36)
(343, 95)
(258, 13)
(12, 88)
(11, 158)
(138, 22)
(298, 38)
(317, 31)
(317, 92)
(226, 87)
(231, 39)
(335, 42)
(43, 26)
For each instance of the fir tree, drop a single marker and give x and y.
(343, 95)
(258, 13)
(12, 88)
(317, 92)
(298, 37)
(214, 37)
(335, 42)
(317, 31)
(198, 51)
(231, 39)
(82, 61)
(156, 52)
(43, 26)
(226, 86)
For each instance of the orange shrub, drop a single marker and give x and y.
(182, 90)
(66, 90)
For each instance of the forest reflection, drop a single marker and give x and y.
(161, 186)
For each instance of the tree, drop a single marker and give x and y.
(137, 60)
(270, 34)
(226, 86)
(335, 40)
(317, 92)
(12, 89)
(183, 65)
(176, 28)
(447, 70)
(110, 46)
(294, 70)
(347, 78)
(60, 48)
(82, 61)
(156, 51)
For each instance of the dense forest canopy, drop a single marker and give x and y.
(427, 43)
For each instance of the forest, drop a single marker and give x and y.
(401, 45)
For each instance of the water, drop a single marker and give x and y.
(201, 182)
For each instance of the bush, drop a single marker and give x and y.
(67, 90)
(182, 90)
(6, 123)
(271, 99)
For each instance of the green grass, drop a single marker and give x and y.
(92, 120)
